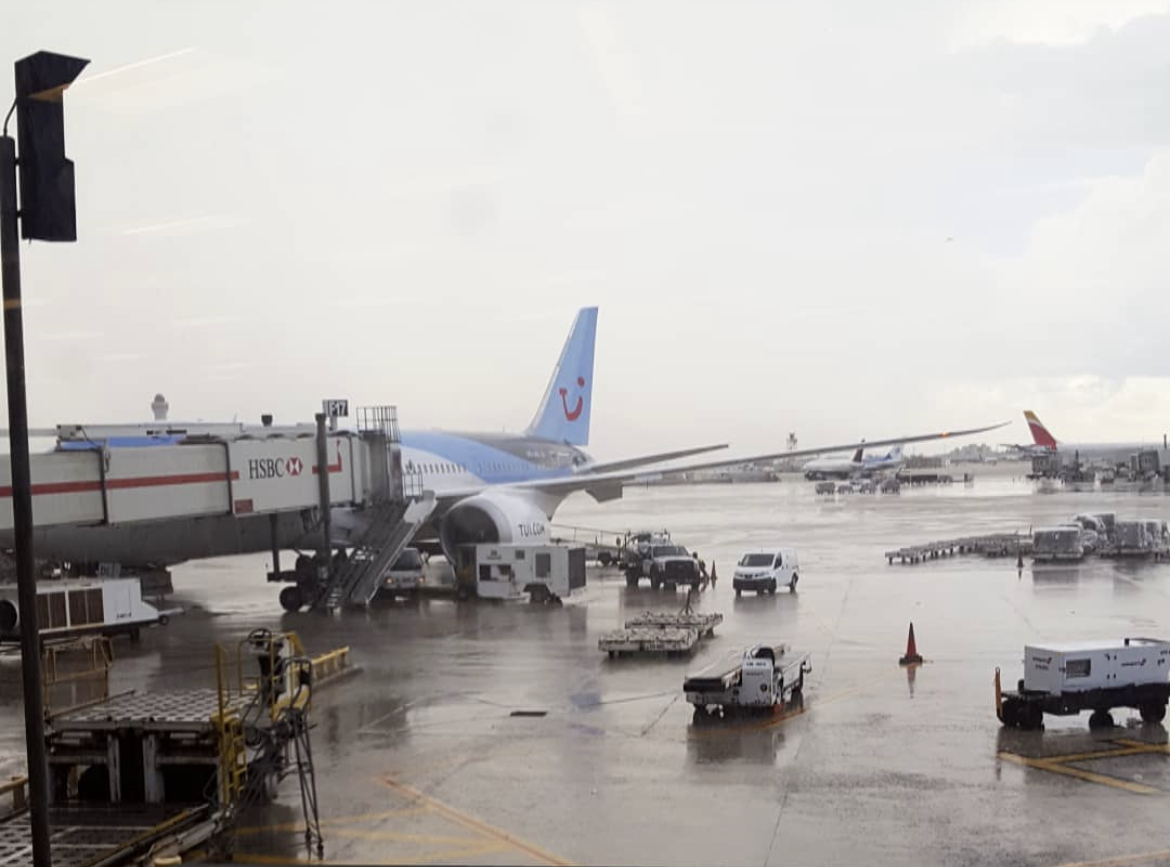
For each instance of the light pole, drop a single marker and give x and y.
(47, 213)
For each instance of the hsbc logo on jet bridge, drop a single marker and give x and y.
(274, 468)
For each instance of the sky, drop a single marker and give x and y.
(840, 219)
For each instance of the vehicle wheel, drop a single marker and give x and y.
(655, 583)
(1101, 719)
(772, 588)
(792, 586)
(603, 558)
(1153, 712)
(1034, 718)
(669, 587)
(631, 580)
(738, 592)
(291, 599)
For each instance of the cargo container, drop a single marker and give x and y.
(69, 608)
(1066, 678)
(1058, 543)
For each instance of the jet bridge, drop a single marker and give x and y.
(196, 477)
(141, 496)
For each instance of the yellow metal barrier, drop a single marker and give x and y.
(17, 787)
(100, 651)
(233, 753)
(329, 665)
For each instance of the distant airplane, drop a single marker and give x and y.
(1044, 443)
(858, 465)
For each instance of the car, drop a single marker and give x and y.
(405, 575)
(763, 571)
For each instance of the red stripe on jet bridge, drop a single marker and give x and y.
(50, 488)
(333, 468)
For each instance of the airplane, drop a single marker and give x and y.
(891, 461)
(1044, 443)
(858, 465)
(489, 488)
(833, 467)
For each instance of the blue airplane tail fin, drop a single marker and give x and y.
(563, 414)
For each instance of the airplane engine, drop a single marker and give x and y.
(493, 517)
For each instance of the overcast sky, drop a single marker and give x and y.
(843, 219)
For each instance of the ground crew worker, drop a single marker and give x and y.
(703, 579)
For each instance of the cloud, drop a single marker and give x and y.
(1051, 22)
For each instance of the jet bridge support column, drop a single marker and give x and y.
(323, 486)
(273, 524)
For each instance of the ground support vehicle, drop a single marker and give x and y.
(1065, 679)
(757, 680)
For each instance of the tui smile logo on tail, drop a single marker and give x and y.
(574, 413)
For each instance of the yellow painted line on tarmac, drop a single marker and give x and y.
(1086, 776)
(404, 837)
(1102, 754)
(1146, 747)
(474, 824)
(1121, 860)
(332, 821)
(457, 855)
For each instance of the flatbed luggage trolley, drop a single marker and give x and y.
(754, 681)
(1065, 679)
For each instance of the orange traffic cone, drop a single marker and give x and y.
(911, 657)
(714, 577)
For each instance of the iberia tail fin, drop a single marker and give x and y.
(1040, 434)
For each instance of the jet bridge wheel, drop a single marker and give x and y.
(292, 599)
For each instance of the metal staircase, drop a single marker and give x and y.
(254, 740)
(390, 529)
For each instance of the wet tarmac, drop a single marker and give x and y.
(420, 758)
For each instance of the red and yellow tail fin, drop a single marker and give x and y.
(1040, 434)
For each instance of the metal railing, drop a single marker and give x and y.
(412, 485)
(96, 657)
(379, 419)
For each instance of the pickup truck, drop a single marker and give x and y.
(666, 565)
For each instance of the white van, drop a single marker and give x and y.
(405, 575)
(764, 571)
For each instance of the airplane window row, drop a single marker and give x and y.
(459, 468)
(442, 468)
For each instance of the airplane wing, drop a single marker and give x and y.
(607, 484)
(662, 457)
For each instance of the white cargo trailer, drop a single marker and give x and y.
(68, 608)
(542, 572)
(1066, 678)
